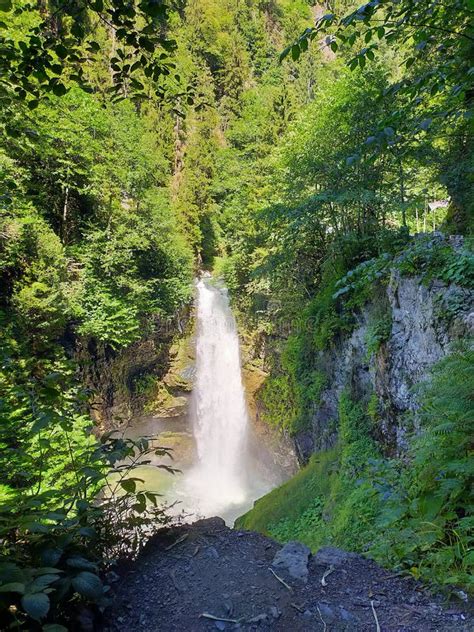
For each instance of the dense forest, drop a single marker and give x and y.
(294, 148)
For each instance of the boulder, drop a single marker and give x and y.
(293, 558)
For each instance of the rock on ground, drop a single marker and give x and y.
(293, 558)
(224, 573)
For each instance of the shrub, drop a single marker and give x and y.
(426, 522)
(69, 504)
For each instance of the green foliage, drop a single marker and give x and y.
(426, 523)
(101, 244)
(327, 502)
(432, 257)
(58, 41)
(62, 518)
(436, 42)
(58, 542)
(377, 333)
(290, 395)
(294, 497)
(280, 409)
(411, 513)
(345, 514)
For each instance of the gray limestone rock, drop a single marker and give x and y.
(293, 558)
(424, 318)
(331, 556)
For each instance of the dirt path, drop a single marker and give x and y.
(207, 568)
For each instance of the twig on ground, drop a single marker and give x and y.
(207, 615)
(281, 580)
(178, 541)
(328, 572)
(375, 616)
(321, 617)
(296, 607)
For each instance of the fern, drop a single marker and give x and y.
(431, 531)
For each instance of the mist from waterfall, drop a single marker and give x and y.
(219, 479)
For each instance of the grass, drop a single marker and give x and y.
(290, 500)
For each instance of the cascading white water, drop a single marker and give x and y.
(218, 480)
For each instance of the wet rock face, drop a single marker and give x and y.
(425, 319)
(112, 375)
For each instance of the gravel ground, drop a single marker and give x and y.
(209, 569)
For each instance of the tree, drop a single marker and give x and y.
(435, 38)
(51, 47)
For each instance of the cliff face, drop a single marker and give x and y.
(399, 335)
(120, 379)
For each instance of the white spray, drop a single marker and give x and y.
(220, 418)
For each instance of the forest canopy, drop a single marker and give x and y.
(280, 143)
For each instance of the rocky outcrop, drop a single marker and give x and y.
(118, 379)
(407, 327)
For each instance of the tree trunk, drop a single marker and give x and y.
(65, 212)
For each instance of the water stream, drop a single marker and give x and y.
(220, 478)
(228, 466)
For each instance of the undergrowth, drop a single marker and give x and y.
(412, 514)
(292, 392)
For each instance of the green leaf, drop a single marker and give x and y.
(81, 563)
(88, 532)
(430, 505)
(51, 556)
(88, 585)
(295, 52)
(94, 46)
(59, 89)
(46, 570)
(61, 51)
(425, 124)
(13, 587)
(36, 605)
(5, 5)
(128, 485)
(42, 582)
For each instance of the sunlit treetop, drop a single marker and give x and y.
(435, 41)
(46, 46)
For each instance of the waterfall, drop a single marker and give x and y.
(219, 414)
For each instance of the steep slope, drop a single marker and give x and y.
(380, 382)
